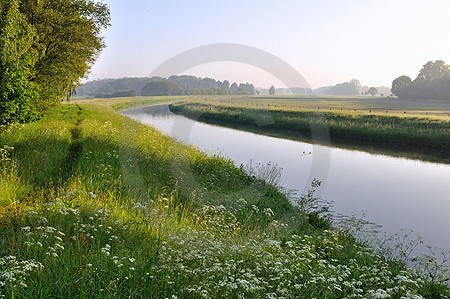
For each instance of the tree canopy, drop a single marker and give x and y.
(272, 90)
(372, 91)
(432, 82)
(161, 88)
(345, 88)
(17, 93)
(46, 47)
(400, 86)
(190, 85)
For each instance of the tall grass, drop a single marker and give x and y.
(97, 205)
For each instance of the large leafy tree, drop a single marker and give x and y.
(18, 94)
(372, 91)
(432, 82)
(46, 47)
(68, 42)
(400, 86)
(432, 71)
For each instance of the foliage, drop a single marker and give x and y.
(355, 82)
(372, 91)
(346, 88)
(69, 40)
(432, 82)
(91, 88)
(190, 85)
(187, 82)
(118, 220)
(272, 90)
(45, 47)
(161, 88)
(18, 96)
(400, 86)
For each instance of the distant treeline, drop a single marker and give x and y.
(432, 82)
(352, 88)
(174, 85)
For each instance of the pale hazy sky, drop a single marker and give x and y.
(327, 41)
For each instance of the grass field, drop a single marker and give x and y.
(93, 204)
(411, 134)
(362, 104)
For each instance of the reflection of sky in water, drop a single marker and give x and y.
(395, 192)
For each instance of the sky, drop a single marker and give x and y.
(326, 41)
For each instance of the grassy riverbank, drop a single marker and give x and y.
(93, 204)
(420, 137)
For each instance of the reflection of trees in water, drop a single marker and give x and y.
(160, 111)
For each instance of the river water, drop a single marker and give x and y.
(396, 193)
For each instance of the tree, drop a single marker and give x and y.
(432, 71)
(67, 44)
(272, 90)
(234, 86)
(372, 91)
(247, 87)
(161, 88)
(17, 94)
(400, 86)
(355, 82)
(346, 88)
(226, 84)
(107, 88)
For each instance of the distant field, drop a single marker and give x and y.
(363, 104)
(131, 102)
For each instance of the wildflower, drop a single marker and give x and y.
(31, 212)
(268, 212)
(59, 246)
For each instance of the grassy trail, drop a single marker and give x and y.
(93, 204)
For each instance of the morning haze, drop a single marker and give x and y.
(232, 149)
(328, 42)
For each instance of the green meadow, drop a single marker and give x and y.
(399, 128)
(93, 204)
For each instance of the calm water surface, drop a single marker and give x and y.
(394, 192)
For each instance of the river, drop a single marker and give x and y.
(396, 193)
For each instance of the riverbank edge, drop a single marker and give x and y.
(79, 125)
(246, 123)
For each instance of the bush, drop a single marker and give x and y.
(17, 95)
